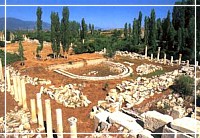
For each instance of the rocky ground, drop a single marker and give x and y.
(92, 89)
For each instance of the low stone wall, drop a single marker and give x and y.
(77, 64)
(124, 72)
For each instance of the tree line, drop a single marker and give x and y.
(174, 34)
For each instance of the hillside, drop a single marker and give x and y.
(17, 24)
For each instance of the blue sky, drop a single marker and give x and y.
(2, 11)
(2, 2)
(90, 2)
(104, 17)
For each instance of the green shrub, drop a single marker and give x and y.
(184, 85)
(10, 58)
(2, 44)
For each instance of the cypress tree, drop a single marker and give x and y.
(146, 30)
(139, 26)
(39, 30)
(191, 38)
(129, 30)
(83, 29)
(125, 30)
(135, 32)
(55, 34)
(92, 32)
(65, 34)
(90, 28)
(21, 53)
(152, 32)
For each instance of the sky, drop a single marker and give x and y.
(91, 2)
(2, 11)
(100, 16)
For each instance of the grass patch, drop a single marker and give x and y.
(156, 73)
(10, 58)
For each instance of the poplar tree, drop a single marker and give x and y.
(83, 29)
(55, 34)
(146, 30)
(135, 32)
(129, 30)
(39, 30)
(65, 34)
(21, 53)
(152, 31)
(125, 30)
(92, 32)
(139, 26)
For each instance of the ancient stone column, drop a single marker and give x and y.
(73, 129)
(16, 97)
(33, 111)
(59, 123)
(179, 60)
(39, 111)
(8, 80)
(1, 71)
(164, 58)
(23, 87)
(158, 55)
(171, 62)
(145, 52)
(187, 63)
(19, 91)
(151, 57)
(48, 118)
(83, 41)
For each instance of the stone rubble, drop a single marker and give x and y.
(28, 79)
(17, 121)
(147, 68)
(174, 104)
(69, 95)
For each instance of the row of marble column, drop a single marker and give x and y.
(165, 60)
(17, 88)
(40, 121)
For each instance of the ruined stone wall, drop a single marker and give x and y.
(77, 64)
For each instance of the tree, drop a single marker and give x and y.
(74, 30)
(171, 39)
(139, 26)
(7, 35)
(159, 33)
(39, 30)
(135, 32)
(146, 30)
(55, 34)
(65, 34)
(92, 32)
(83, 29)
(90, 28)
(191, 39)
(152, 32)
(178, 17)
(21, 53)
(129, 30)
(125, 31)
